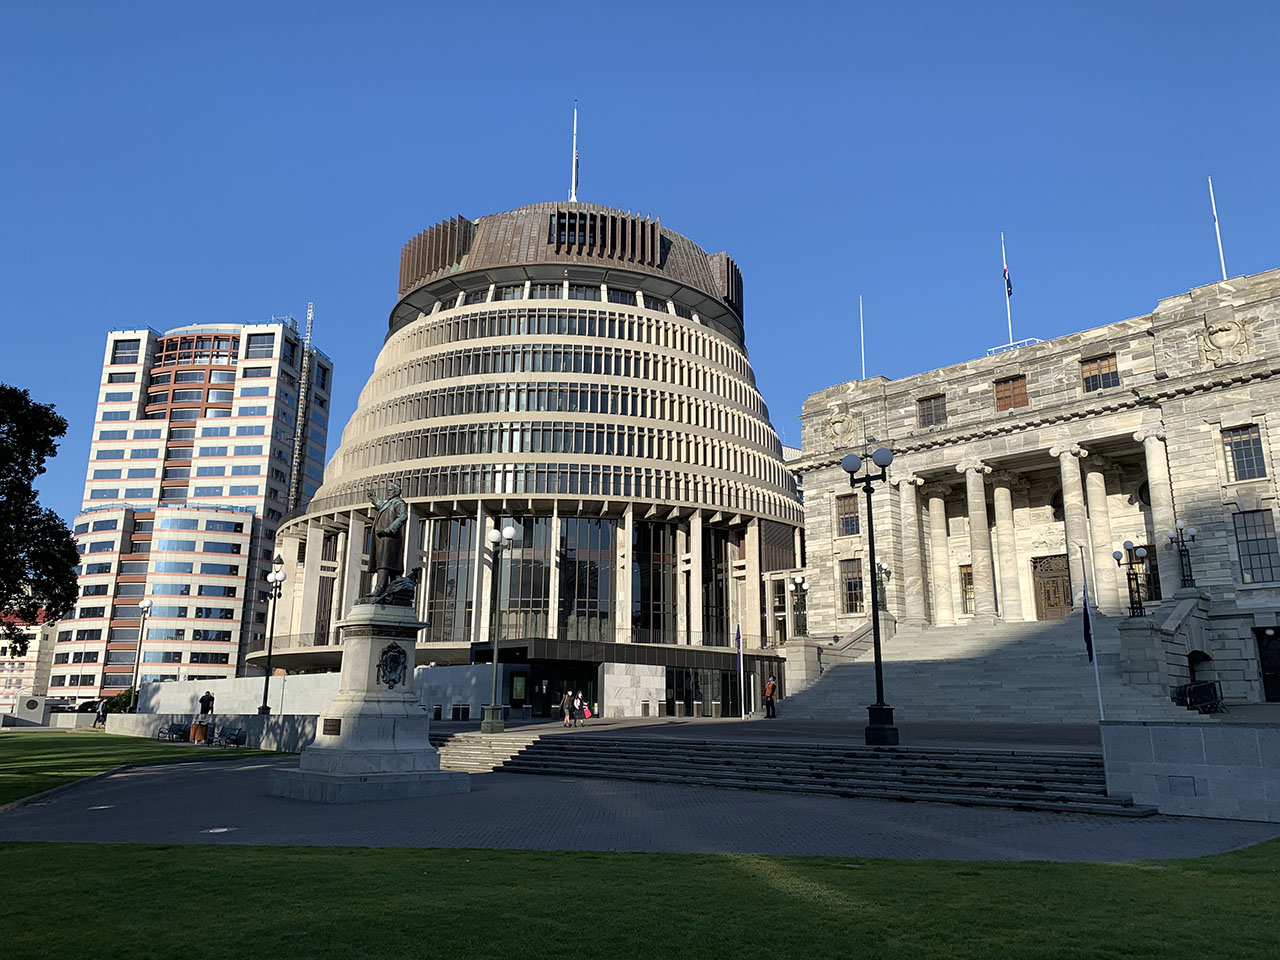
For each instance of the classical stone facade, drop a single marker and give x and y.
(1017, 475)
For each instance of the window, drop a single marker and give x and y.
(102, 546)
(243, 490)
(1011, 392)
(932, 411)
(179, 523)
(106, 475)
(545, 291)
(210, 636)
(201, 657)
(216, 591)
(164, 634)
(290, 353)
(113, 434)
(217, 546)
(219, 569)
(105, 494)
(109, 455)
(172, 566)
(210, 472)
(215, 613)
(215, 431)
(249, 450)
(322, 376)
(92, 568)
(185, 545)
(171, 589)
(255, 391)
(253, 430)
(158, 380)
(139, 493)
(851, 585)
(208, 491)
(476, 296)
(160, 397)
(224, 526)
(847, 515)
(1256, 542)
(105, 525)
(142, 473)
(251, 373)
(162, 656)
(94, 590)
(622, 296)
(144, 453)
(1099, 373)
(91, 613)
(86, 656)
(125, 351)
(130, 589)
(1244, 454)
(88, 636)
(213, 451)
(188, 376)
(222, 376)
(510, 291)
(121, 656)
(121, 377)
(582, 291)
(159, 611)
(146, 434)
(260, 346)
(192, 413)
(255, 411)
(188, 396)
(966, 588)
(115, 415)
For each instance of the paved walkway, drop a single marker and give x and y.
(226, 802)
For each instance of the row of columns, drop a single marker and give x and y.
(1086, 521)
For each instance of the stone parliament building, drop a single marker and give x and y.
(1006, 466)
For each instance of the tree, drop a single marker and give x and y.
(37, 554)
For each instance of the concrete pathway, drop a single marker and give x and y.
(226, 802)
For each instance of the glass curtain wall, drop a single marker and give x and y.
(586, 579)
(716, 628)
(654, 569)
(450, 590)
(524, 579)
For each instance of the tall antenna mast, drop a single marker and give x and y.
(1214, 204)
(304, 405)
(573, 180)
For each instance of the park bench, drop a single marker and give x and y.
(174, 732)
(229, 737)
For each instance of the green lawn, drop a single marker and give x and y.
(31, 762)
(209, 902)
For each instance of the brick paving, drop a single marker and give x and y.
(227, 802)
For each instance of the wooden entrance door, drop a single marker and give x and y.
(1051, 580)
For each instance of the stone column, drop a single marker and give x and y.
(352, 564)
(622, 582)
(695, 579)
(1103, 584)
(752, 586)
(1006, 546)
(311, 579)
(940, 566)
(984, 574)
(1162, 514)
(911, 576)
(1068, 455)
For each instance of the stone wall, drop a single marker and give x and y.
(287, 734)
(628, 686)
(1196, 768)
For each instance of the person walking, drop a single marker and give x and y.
(566, 708)
(101, 717)
(576, 709)
(770, 693)
(206, 703)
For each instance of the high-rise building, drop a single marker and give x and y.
(190, 470)
(26, 675)
(578, 377)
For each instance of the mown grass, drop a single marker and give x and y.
(32, 762)
(227, 901)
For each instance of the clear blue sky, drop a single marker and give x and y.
(172, 163)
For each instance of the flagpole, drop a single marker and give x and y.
(1008, 308)
(1088, 629)
(742, 678)
(1214, 205)
(862, 339)
(573, 177)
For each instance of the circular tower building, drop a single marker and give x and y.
(576, 376)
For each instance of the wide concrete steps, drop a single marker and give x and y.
(476, 752)
(1043, 781)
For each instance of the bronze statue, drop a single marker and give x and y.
(388, 537)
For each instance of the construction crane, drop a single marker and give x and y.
(304, 409)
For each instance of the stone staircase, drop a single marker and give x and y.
(1062, 782)
(477, 752)
(1003, 673)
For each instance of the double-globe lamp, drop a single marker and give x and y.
(275, 581)
(492, 722)
(880, 730)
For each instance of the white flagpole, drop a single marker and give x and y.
(573, 178)
(1214, 205)
(1088, 619)
(862, 339)
(1008, 309)
(742, 677)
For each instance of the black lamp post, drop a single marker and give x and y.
(880, 729)
(144, 607)
(498, 539)
(276, 581)
(1133, 559)
(1180, 538)
(883, 575)
(799, 589)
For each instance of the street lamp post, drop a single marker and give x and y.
(880, 729)
(883, 575)
(144, 607)
(1181, 537)
(498, 539)
(1136, 559)
(275, 580)
(798, 587)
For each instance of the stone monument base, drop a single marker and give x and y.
(372, 742)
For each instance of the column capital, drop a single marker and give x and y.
(906, 480)
(938, 488)
(1006, 478)
(973, 466)
(1101, 464)
(1153, 432)
(1067, 448)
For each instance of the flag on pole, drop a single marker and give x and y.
(1008, 284)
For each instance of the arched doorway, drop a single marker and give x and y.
(1200, 667)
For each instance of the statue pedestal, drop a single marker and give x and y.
(372, 738)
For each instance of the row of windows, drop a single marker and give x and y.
(190, 396)
(191, 376)
(580, 323)
(605, 439)
(552, 358)
(579, 480)
(1096, 374)
(521, 397)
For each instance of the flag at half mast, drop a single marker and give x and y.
(1008, 284)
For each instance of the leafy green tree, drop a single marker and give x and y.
(37, 554)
